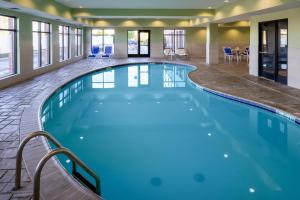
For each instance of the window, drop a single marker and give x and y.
(78, 41)
(41, 34)
(8, 47)
(64, 97)
(102, 38)
(174, 77)
(138, 76)
(174, 39)
(104, 80)
(64, 43)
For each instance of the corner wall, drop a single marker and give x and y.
(293, 16)
(233, 37)
(25, 49)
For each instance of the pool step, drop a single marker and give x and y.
(84, 181)
(59, 150)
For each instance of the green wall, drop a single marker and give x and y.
(48, 6)
(233, 37)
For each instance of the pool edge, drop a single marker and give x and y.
(31, 121)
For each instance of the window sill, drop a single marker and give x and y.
(8, 76)
(64, 60)
(42, 66)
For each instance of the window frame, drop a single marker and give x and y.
(40, 42)
(15, 45)
(78, 48)
(175, 39)
(63, 43)
(103, 35)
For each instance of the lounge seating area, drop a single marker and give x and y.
(95, 52)
(236, 54)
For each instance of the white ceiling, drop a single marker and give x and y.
(144, 4)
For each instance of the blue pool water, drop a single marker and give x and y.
(150, 134)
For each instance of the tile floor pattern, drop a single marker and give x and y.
(229, 78)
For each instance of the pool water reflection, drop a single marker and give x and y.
(150, 134)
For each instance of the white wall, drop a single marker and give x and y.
(293, 16)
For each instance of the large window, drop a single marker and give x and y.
(78, 41)
(8, 47)
(174, 39)
(64, 43)
(41, 34)
(102, 38)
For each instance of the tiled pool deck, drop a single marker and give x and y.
(19, 106)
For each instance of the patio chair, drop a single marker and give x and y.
(246, 54)
(107, 52)
(169, 53)
(228, 53)
(95, 51)
(182, 54)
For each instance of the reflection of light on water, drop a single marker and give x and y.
(191, 109)
(209, 134)
(226, 155)
(68, 161)
(104, 80)
(158, 102)
(129, 96)
(158, 96)
(251, 190)
(81, 137)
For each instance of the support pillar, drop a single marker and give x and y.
(212, 44)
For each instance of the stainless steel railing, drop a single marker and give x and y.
(43, 161)
(20, 153)
(41, 164)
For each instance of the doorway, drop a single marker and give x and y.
(138, 43)
(273, 49)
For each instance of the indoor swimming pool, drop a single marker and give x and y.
(150, 133)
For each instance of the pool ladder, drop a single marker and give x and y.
(60, 150)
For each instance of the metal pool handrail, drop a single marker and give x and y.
(43, 161)
(60, 150)
(20, 153)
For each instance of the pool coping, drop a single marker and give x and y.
(62, 182)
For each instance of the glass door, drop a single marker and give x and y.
(273, 48)
(282, 51)
(267, 50)
(138, 43)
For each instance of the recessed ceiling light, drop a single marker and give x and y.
(209, 7)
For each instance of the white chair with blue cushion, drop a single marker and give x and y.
(107, 52)
(228, 53)
(95, 51)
